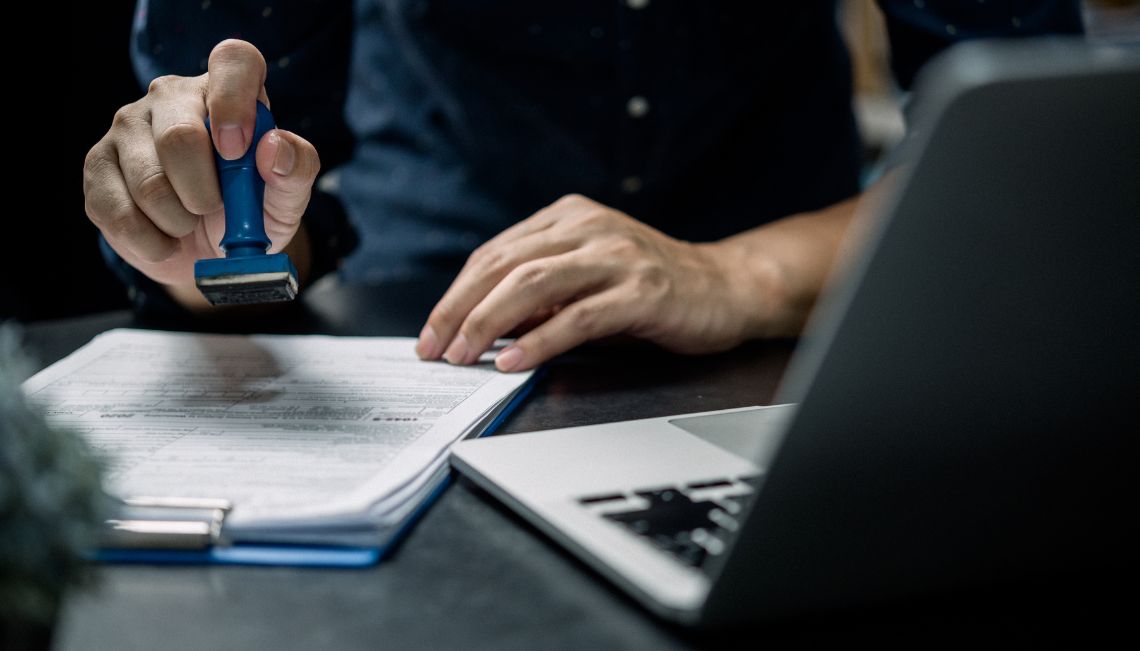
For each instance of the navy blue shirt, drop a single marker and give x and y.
(449, 120)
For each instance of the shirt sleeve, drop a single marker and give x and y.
(920, 29)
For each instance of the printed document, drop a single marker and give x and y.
(312, 438)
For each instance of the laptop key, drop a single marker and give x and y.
(602, 499)
(691, 531)
(716, 483)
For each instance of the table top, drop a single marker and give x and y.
(470, 574)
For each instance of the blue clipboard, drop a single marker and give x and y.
(326, 556)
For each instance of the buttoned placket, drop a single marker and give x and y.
(636, 105)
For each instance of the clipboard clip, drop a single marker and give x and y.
(185, 523)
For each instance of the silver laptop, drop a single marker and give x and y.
(959, 409)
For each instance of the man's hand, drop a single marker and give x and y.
(584, 271)
(151, 187)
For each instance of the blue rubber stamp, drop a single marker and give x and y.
(247, 274)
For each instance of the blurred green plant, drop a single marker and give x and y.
(50, 502)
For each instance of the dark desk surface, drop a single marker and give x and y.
(470, 574)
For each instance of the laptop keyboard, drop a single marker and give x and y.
(691, 522)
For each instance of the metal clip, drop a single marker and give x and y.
(165, 523)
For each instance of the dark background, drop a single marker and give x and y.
(73, 279)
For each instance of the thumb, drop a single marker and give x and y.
(289, 165)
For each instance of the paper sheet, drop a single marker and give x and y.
(291, 429)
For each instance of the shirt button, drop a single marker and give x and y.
(631, 184)
(637, 4)
(637, 106)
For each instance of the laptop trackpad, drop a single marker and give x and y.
(753, 434)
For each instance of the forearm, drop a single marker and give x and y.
(778, 270)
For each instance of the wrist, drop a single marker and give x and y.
(757, 288)
(778, 270)
(744, 285)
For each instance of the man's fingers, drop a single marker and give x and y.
(289, 164)
(530, 287)
(149, 184)
(595, 316)
(236, 82)
(111, 208)
(185, 150)
(489, 264)
(485, 269)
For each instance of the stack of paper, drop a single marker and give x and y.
(315, 440)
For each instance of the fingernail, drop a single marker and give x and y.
(509, 359)
(428, 345)
(283, 160)
(457, 351)
(231, 141)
